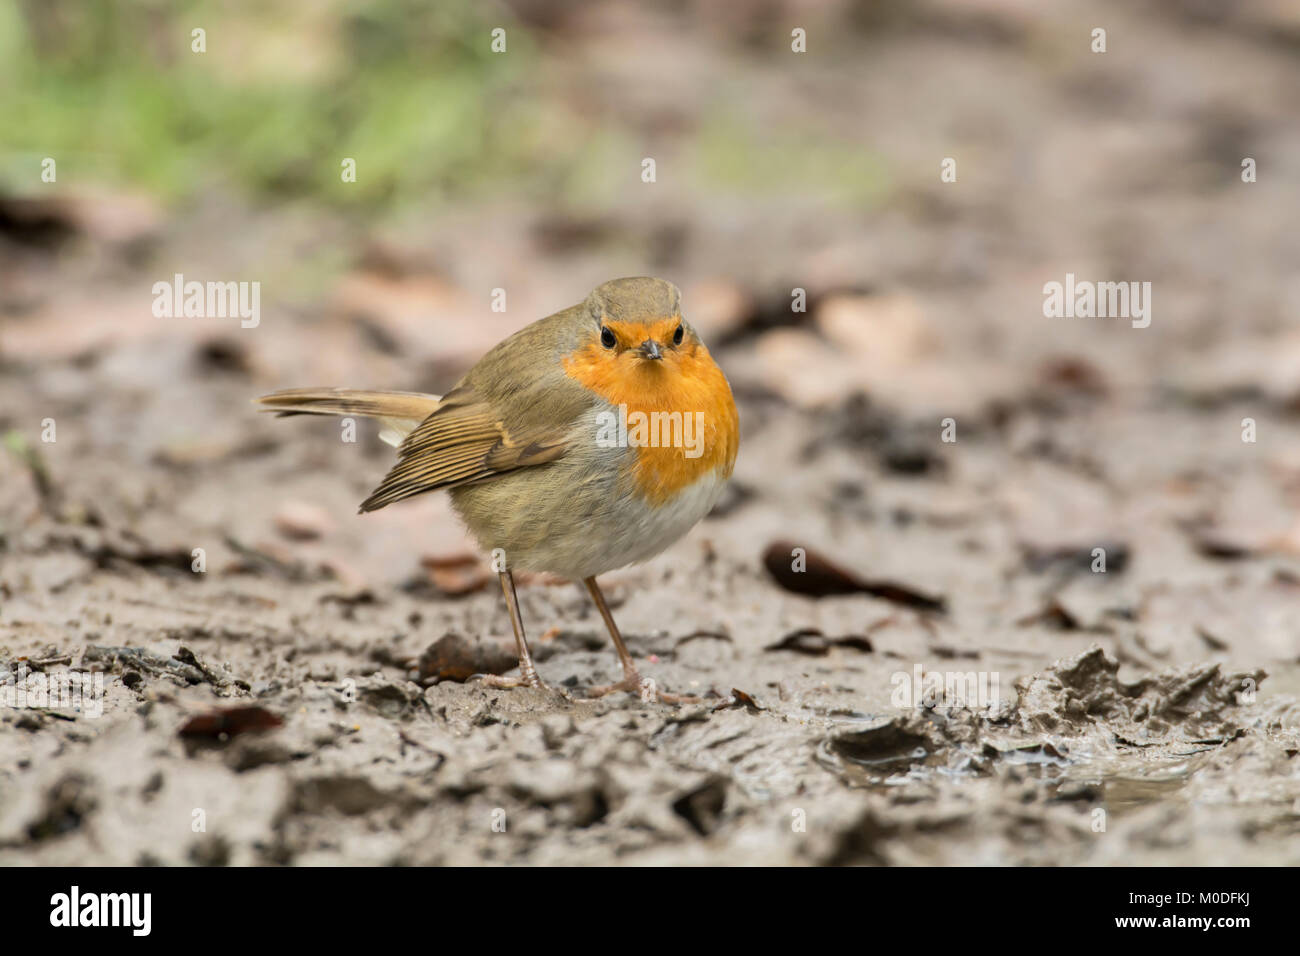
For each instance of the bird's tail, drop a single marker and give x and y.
(400, 412)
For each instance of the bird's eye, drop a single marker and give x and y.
(677, 336)
(607, 337)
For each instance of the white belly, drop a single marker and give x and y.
(643, 532)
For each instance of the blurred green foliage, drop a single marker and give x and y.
(283, 93)
(409, 88)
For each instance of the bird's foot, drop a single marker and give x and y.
(645, 688)
(529, 679)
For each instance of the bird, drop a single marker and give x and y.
(588, 441)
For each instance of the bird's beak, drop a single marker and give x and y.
(650, 349)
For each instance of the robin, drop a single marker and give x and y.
(587, 441)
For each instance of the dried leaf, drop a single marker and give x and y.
(821, 577)
(453, 657)
(811, 641)
(230, 721)
(739, 698)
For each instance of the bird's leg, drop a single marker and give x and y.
(527, 672)
(632, 682)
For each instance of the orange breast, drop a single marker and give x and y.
(685, 404)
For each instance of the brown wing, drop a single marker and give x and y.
(462, 441)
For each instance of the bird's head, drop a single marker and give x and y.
(636, 328)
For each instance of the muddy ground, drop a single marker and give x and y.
(1145, 714)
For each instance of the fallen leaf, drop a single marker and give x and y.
(810, 641)
(457, 658)
(739, 698)
(821, 577)
(230, 721)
